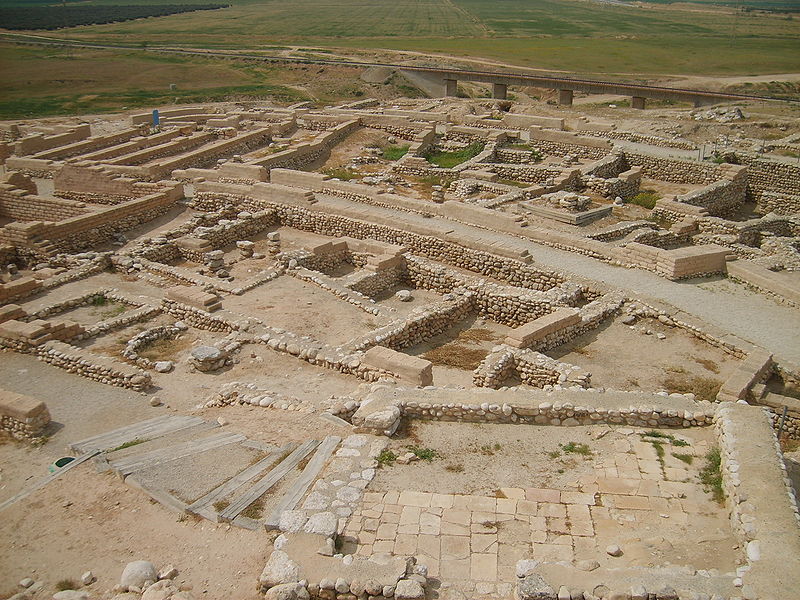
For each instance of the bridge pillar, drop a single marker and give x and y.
(637, 102)
(450, 87)
(499, 91)
(565, 97)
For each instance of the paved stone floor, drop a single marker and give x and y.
(477, 540)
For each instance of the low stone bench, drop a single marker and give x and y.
(416, 371)
(524, 336)
(22, 417)
(194, 297)
(749, 372)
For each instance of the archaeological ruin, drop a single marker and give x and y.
(444, 348)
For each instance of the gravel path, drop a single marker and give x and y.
(720, 302)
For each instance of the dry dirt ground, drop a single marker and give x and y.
(624, 357)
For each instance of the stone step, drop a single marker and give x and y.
(270, 479)
(301, 484)
(158, 457)
(237, 481)
(145, 429)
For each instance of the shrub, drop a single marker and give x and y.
(386, 457)
(645, 199)
(447, 160)
(394, 152)
(711, 475)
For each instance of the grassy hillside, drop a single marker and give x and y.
(47, 82)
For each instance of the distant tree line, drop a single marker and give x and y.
(56, 17)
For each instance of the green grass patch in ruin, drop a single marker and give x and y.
(687, 458)
(427, 454)
(221, 505)
(449, 159)
(576, 448)
(514, 182)
(255, 510)
(711, 475)
(341, 173)
(386, 458)
(394, 152)
(645, 199)
(129, 444)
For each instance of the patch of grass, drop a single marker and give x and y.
(116, 309)
(703, 388)
(341, 173)
(129, 444)
(477, 334)
(660, 435)
(255, 510)
(449, 159)
(67, 584)
(456, 355)
(576, 448)
(687, 458)
(711, 475)
(165, 348)
(386, 458)
(645, 199)
(489, 450)
(221, 505)
(427, 454)
(514, 182)
(425, 183)
(98, 300)
(394, 152)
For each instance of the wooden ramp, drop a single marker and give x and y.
(192, 466)
(145, 430)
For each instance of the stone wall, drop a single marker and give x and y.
(38, 142)
(306, 153)
(778, 203)
(20, 205)
(566, 408)
(763, 506)
(721, 198)
(22, 417)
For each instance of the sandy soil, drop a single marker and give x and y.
(88, 521)
(624, 358)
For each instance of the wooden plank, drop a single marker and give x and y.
(172, 453)
(270, 479)
(301, 485)
(159, 495)
(237, 481)
(77, 446)
(45, 480)
(145, 429)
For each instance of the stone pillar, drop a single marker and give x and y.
(637, 102)
(450, 87)
(499, 91)
(565, 97)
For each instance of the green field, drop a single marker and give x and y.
(47, 82)
(574, 35)
(586, 37)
